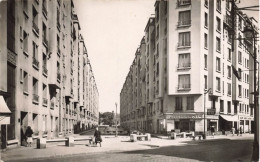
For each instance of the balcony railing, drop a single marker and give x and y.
(228, 20)
(183, 2)
(184, 44)
(184, 86)
(71, 91)
(35, 98)
(58, 50)
(184, 23)
(211, 111)
(74, 17)
(44, 70)
(35, 27)
(35, 63)
(44, 10)
(58, 76)
(44, 40)
(52, 105)
(184, 65)
(44, 101)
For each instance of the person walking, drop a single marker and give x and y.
(212, 131)
(28, 134)
(233, 131)
(240, 131)
(97, 136)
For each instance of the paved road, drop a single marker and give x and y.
(238, 149)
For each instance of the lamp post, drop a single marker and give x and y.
(204, 132)
(116, 119)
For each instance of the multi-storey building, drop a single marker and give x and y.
(46, 76)
(189, 66)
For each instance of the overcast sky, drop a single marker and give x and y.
(112, 30)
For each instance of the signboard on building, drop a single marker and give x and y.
(185, 116)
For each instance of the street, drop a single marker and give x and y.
(118, 149)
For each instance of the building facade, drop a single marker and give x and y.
(185, 68)
(46, 76)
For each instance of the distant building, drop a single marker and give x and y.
(46, 76)
(186, 51)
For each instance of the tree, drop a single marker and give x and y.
(106, 118)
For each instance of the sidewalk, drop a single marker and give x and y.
(110, 144)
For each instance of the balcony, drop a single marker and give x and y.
(184, 23)
(44, 102)
(35, 99)
(228, 21)
(183, 2)
(44, 70)
(45, 41)
(184, 87)
(44, 11)
(184, 66)
(35, 28)
(211, 111)
(35, 63)
(184, 44)
(52, 105)
(58, 76)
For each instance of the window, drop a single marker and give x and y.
(44, 91)
(178, 103)
(21, 75)
(229, 106)
(25, 43)
(217, 84)
(58, 18)
(58, 45)
(229, 54)
(35, 21)
(205, 82)
(157, 32)
(184, 60)
(218, 44)
(190, 103)
(239, 57)
(35, 51)
(239, 90)
(25, 82)
(235, 108)
(205, 62)
(184, 18)
(44, 7)
(218, 24)
(35, 90)
(206, 41)
(221, 106)
(229, 71)
(184, 39)
(44, 64)
(218, 64)
(184, 81)
(157, 69)
(206, 19)
(206, 3)
(219, 5)
(44, 34)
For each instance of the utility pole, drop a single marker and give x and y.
(234, 9)
(116, 119)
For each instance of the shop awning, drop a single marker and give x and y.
(4, 112)
(229, 117)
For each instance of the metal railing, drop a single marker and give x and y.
(44, 40)
(184, 86)
(35, 27)
(52, 105)
(183, 2)
(44, 70)
(58, 76)
(35, 98)
(184, 23)
(44, 10)
(35, 63)
(184, 65)
(184, 44)
(44, 101)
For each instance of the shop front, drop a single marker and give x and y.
(4, 121)
(245, 122)
(226, 122)
(183, 122)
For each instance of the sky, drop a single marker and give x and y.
(112, 30)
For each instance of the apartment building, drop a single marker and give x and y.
(189, 66)
(47, 79)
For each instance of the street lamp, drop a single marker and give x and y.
(116, 119)
(205, 92)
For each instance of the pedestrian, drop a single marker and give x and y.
(97, 136)
(233, 131)
(28, 134)
(212, 131)
(240, 130)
